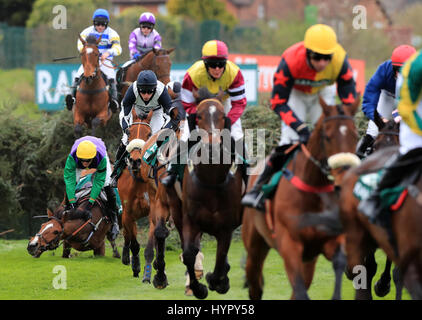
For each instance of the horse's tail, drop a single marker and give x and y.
(327, 221)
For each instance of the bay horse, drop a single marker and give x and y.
(308, 183)
(76, 228)
(211, 194)
(141, 197)
(92, 98)
(157, 60)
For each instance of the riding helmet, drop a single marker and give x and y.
(146, 79)
(147, 18)
(101, 15)
(401, 54)
(86, 150)
(321, 39)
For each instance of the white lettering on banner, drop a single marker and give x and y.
(44, 81)
(62, 86)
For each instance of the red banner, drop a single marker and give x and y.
(267, 66)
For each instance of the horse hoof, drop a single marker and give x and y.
(380, 289)
(160, 283)
(136, 266)
(220, 286)
(116, 255)
(146, 280)
(200, 291)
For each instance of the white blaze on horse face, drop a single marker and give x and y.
(89, 50)
(343, 130)
(212, 109)
(35, 240)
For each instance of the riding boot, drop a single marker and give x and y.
(112, 211)
(114, 104)
(255, 197)
(242, 154)
(119, 165)
(365, 143)
(397, 170)
(71, 97)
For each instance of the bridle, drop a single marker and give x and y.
(133, 171)
(323, 165)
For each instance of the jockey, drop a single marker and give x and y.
(145, 38)
(406, 162)
(380, 94)
(145, 94)
(90, 152)
(307, 69)
(109, 47)
(215, 72)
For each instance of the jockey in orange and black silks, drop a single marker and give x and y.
(307, 70)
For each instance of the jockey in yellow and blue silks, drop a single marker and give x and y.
(109, 47)
(408, 160)
(380, 94)
(90, 152)
(307, 70)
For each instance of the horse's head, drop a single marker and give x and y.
(89, 56)
(388, 133)
(49, 235)
(139, 133)
(333, 141)
(160, 63)
(210, 115)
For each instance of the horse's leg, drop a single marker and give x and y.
(100, 251)
(149, 253)
(66, 249)
(412, 281)
(398, 282)
(218, 280)
(190, 250)
(364, 281)
(127, 228)
(339, 261)
(161, 233)
(382, 286)
(95, 123)
(292, 251)
(257, 250)
(116, 253)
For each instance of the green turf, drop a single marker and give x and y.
(100, 278)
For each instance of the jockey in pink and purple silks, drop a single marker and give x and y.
(144, 38)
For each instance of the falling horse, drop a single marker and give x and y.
(157, 60)
(92, 98)
(77, 228)
(307, 184)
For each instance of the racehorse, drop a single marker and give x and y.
(211, 195)
(157, 60)
(308, 183)
(142, 196)
(79, 229)
(92, 98)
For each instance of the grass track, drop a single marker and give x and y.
(104, 278)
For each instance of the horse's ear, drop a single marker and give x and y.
(170, 50)
(324, 106)
(155, 51)
(82, 40)
(49, 213)
(99, 39)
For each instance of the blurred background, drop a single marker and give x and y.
(34, 143)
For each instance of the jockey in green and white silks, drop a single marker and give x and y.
(409, 93)
(109, 47)
(90, 152)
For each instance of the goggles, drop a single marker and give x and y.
(148, 90)
(318, 56)
(221, 63)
